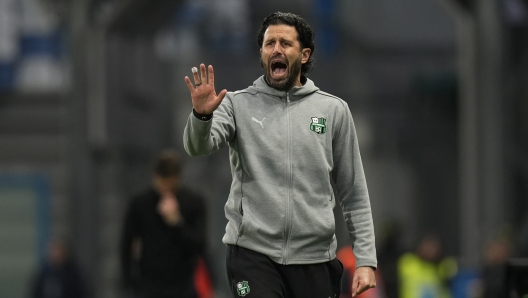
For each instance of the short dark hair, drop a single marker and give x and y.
(167, 164)
(306, 36)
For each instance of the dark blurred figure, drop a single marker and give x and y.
(494, 272)
(426, 273)
(388, 254)
(164, 235)
(59, 276)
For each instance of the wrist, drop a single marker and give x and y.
(203, 117)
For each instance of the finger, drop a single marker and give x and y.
(189, 84)
(203, 74)
(197, 80)
(354, 287)
(368, 284)
(362, 288)
(211, 76)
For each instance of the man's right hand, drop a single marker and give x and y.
(204, 97)
(169, 209)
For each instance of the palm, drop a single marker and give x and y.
(204, 97)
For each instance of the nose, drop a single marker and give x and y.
(277, 48)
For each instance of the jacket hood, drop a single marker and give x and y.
(260, 85)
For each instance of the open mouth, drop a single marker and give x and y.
(278, 68)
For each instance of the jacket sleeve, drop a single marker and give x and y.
(351, 188)
(205, 137)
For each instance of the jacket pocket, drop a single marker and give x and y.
(243, 221)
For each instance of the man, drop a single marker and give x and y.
(426, 272)
(59, 276)
(164, 234)
(291, 145)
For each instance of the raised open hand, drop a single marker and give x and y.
(204, 97)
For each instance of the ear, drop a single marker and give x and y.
(306, 52)
(260, 51)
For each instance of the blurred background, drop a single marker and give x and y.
(91, 90)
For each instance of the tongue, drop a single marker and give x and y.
(279, 70)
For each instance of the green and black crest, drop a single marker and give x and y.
(318, 125)
(242, 288)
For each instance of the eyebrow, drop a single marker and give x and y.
(280, 39)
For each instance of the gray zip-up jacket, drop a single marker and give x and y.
(288, 152)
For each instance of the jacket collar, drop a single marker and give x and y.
(298, 92)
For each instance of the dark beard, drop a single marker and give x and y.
(285, 85)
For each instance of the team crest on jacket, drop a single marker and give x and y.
(242, 288)
(318, 125)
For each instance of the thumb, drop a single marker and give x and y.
(217, 100)
(221, 95)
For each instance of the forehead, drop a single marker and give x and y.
(280, 31)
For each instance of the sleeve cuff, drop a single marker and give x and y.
(203, 117)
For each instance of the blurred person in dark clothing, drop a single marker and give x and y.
(163, 236)
(389, 252)
(59, 276)
(494, 271)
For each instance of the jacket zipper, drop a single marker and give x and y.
(287, 226)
